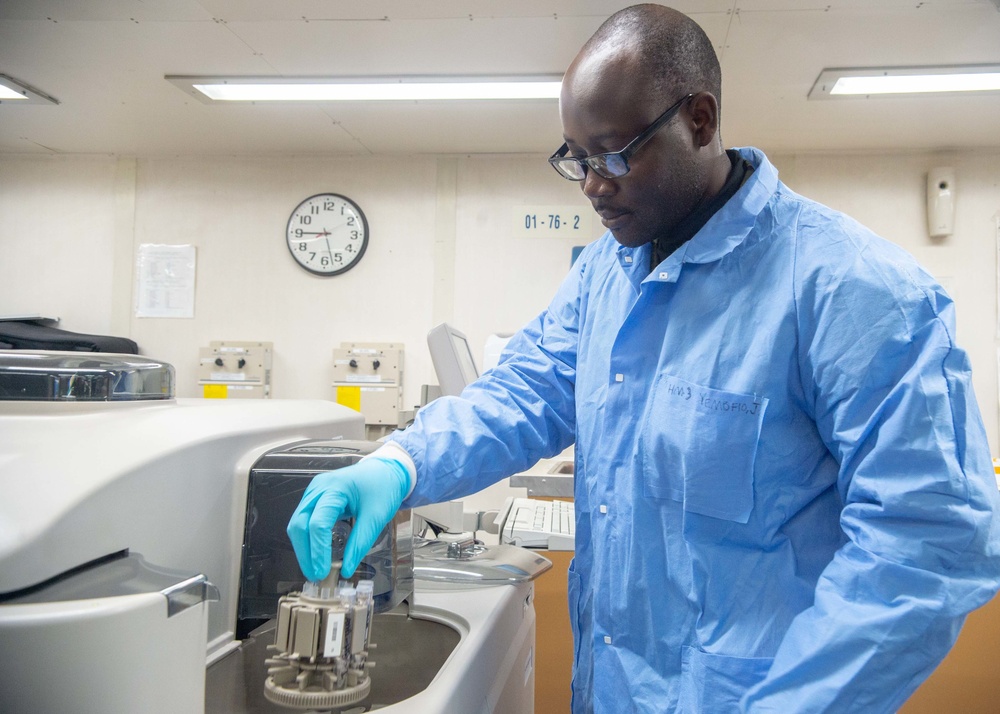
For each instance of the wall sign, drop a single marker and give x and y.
(553, 222)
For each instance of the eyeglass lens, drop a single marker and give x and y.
(610, 165)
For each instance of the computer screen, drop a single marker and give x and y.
(452, 359)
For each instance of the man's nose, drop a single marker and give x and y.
(595, 185)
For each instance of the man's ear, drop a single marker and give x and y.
(703, 113)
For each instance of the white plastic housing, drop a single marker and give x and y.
(941, 202)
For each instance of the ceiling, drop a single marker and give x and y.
(105, 61)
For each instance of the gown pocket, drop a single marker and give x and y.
(698, 446)
(716, 683)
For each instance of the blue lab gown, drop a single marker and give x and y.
(784, 493)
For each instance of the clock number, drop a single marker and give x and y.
(305, 220)
(302, 246)
(349, 248)
(338, 257)
(350, 220)
(313, 209)
(355, 235)
(312, 256)
(329, 205)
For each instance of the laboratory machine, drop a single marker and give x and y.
(144, 565)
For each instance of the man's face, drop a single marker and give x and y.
(602, 110)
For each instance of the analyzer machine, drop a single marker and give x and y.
(144, 565)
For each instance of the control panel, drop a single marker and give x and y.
(234, 370)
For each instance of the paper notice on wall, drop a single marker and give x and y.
(165, 281)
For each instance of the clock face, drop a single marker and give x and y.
(327, 234)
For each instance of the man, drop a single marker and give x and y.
(784, 494)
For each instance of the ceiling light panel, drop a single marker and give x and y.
(16, 92)
(905, 81)
(413, 89)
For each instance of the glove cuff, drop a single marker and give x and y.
(391, 451)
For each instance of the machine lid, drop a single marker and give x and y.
(487, 565)
(119, 575)
(82, 377)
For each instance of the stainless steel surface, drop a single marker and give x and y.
(461, 545)
(545, 485)
(482, 565)
(191, 592)
(409, 652)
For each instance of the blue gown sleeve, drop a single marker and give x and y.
(518, 412)
(892, 399)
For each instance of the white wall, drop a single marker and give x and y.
(57, 239)
(442, 248)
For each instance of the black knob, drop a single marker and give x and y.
(353, 363)
(376, 364)
(219, 362)
(242, 363)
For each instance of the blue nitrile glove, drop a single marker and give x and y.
(370, 491)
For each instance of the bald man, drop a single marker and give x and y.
(784, 494)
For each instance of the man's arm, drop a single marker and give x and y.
(519, 412)
(892, 398)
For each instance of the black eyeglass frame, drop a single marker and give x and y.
(599, 162)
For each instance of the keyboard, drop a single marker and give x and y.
(535, 523)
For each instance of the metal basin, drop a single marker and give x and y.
(408, 654)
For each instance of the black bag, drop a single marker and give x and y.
(32, 335)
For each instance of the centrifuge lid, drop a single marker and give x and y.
(82, 377)
(484, 565)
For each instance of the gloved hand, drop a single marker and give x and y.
(370, 491)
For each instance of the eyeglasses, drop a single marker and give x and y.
(612, 164)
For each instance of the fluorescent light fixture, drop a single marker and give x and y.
(422, 91)
(909, 81)
(368, 89)
(13, 92)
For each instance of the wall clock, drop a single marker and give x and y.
(327, 234)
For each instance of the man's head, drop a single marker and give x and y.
(642, 60)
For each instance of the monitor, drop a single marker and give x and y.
(452, 359)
